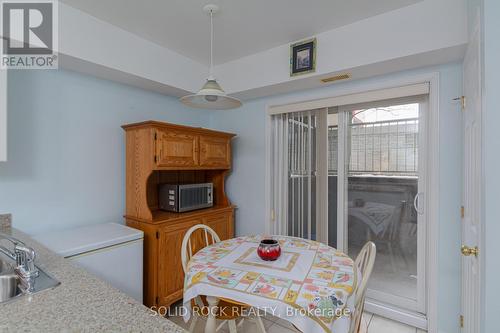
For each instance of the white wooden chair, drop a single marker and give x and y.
(209, 237)
(364, 261)
(187, 246)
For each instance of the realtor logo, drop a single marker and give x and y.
(29, 32)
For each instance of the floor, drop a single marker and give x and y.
(273, 324)
(392, 273)
(395, 269)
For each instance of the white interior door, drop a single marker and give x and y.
(471, 216)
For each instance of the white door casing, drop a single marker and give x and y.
(472, 183)
(3, 115)
(430, 201)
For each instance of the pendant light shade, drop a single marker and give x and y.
(211, 95)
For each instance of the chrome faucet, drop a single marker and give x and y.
(24, 257)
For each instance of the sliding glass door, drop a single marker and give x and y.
(349, 174)
(378, 192)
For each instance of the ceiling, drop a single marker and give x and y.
(241, 27)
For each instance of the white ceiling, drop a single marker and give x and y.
(241, 27)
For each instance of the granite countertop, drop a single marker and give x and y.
(81, 303)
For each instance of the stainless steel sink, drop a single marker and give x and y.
(23, 276)
(9, 282)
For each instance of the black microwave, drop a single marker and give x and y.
(186, 197)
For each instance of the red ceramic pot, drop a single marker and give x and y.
(269, 249)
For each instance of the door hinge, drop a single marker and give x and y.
(461, 321)
(462, 211)
(157, 235)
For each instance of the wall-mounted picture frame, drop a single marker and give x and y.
(303, 57)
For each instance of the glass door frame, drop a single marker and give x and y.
(403, 85)
(420, 305)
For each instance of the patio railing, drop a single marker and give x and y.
(382, 147)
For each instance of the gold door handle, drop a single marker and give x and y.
(469, 251)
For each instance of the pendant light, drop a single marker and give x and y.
(211, 95)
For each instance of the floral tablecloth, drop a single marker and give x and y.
(309, 285)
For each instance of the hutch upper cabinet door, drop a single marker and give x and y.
(215, 152)
(176, 149)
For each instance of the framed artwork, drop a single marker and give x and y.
(303, 57)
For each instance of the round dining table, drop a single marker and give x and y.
(310, 285)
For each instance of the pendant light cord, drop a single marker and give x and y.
(211, 44)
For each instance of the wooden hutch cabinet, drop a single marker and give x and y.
(159, 153)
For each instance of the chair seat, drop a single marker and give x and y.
(227, 309)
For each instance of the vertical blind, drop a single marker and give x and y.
(293, 173)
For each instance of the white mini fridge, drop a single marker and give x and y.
(111, 251)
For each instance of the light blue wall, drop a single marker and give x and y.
(246, 185)
(491, 111)
(66, 151)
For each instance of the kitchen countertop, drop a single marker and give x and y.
(81, 303)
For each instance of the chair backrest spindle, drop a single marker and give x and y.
(190, 248)
(206, 238)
